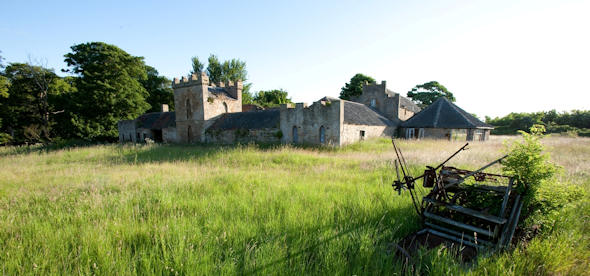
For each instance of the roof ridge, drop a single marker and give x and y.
(437, 114)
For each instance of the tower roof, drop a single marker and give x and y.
(444, 114)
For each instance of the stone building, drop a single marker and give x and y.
(444, 120)
(212, 113)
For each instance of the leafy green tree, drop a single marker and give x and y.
(4, 83)
(354, 88)
(109, 89)
(198, 66)
(214, 69)
(159, 90)
(271, 98)
(425, 94)
(32, 102)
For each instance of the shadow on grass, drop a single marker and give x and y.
(384, 228)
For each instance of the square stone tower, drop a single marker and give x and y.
(199, 103)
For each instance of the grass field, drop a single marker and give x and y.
(162, 209)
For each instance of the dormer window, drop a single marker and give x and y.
(373, 103)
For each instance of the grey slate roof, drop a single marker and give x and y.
(157, 120)
(217, 91)
(444, 114)
(248, 120)
(408, 104)
(360, 114)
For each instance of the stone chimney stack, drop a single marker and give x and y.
(165, 108)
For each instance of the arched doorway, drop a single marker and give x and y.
(322, 135)
(295, 135)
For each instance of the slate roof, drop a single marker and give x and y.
(248, 120)
(408, 104)
(157, 120)
(218, 91)
(360, 114)
(444, 114)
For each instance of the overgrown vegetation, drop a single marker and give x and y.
(573, 123)
(246, 209)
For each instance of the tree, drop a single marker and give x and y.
(214, 69)
(4, 84)
(32, 101)
(425, 94)
(197, 65)
(354, 88)
(109, 89)
(271, 98)
(159, 90)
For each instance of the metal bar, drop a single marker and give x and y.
(502, 242)
(460, 241)
(513, 226)
(477, 171)
(459, 224)
(456, 233)
(450, 157)
(468, 211)
(506, 197)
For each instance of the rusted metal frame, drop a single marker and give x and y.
(465, 226)
(467, 211)
(458, 234)
(479, 170)
(460, 241)
(506, 237)
(506, 197)
(450, 157)
(464, 172)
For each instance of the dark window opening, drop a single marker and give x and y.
(189, 112)
(362, 135)
(322, 135)
(157, 134)
(295, 136)
(189, 134)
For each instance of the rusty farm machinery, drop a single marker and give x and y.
(468, 208)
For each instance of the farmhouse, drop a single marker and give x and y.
(213, 113)
(444, 120)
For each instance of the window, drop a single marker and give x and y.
(421, 133)
(130, 137)
(189, 112)
(322, 135)
(409, 133)
(295, 136)
(138, 138)
(362, 135)
(225, 107)
(373, 103)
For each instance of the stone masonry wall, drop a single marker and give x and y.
(352, 133)
(309, 120)
(387, 105)
(265, 135)
(127, 131)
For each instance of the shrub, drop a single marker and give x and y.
(529, 165)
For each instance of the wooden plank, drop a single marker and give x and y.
(457, 234)
(459, 224)
(467, 211)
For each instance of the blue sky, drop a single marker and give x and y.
(495, 56)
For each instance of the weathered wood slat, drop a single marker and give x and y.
(467, 211)
(488, 233)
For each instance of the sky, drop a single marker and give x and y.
(496, 57)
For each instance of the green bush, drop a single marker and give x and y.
(529, 165)
(5, 139)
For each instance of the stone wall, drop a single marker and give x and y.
(352, 133)
(306, 123)
(448, 134)
(197, 107)
(375, 96)
(127, 131)
(169, 135)
(265, 135)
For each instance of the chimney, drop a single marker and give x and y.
(164, 108)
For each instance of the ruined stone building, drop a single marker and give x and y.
(213, 113)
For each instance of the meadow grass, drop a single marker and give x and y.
(248, 209)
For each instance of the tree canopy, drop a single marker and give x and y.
(109, 89)
(159, 90)
(425, 94)
(271, 98)
(354, 88)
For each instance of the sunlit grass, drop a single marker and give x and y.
(173, 209)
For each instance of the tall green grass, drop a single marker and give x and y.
(246, 209)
